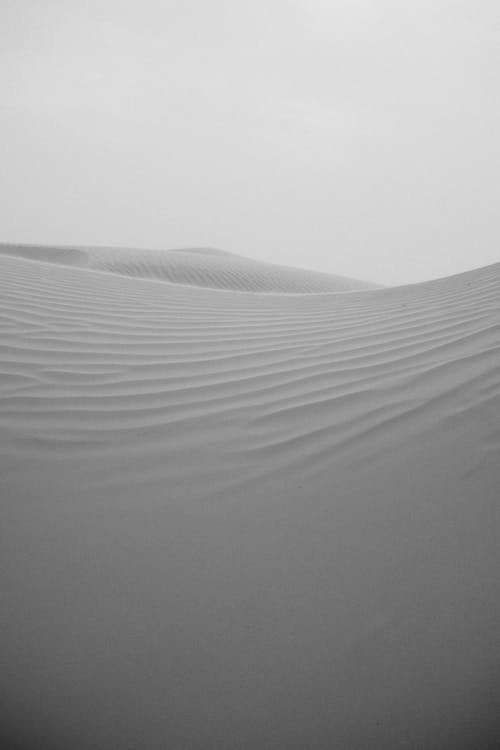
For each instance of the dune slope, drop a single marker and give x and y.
(236, 520)
(203, 267)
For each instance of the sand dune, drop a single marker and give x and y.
(246, 520)
(203, 267)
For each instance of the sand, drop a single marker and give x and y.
(200, 267)
(257, 508)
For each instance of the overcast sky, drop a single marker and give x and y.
(359, 137)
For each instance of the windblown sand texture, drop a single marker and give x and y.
(243, 509)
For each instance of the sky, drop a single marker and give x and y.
(358, 137)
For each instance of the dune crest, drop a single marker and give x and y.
(256, 520)
(200, 267)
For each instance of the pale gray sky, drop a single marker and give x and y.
(358, 137)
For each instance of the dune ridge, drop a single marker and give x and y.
(200, 267)
(258, 519)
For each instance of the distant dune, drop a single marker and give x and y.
(203, 267)
(246, 520)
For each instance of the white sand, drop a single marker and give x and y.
(243, 520)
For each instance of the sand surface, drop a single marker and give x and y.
(234, 519)
(200, 267)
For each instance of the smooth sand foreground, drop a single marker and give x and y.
(238, 520)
